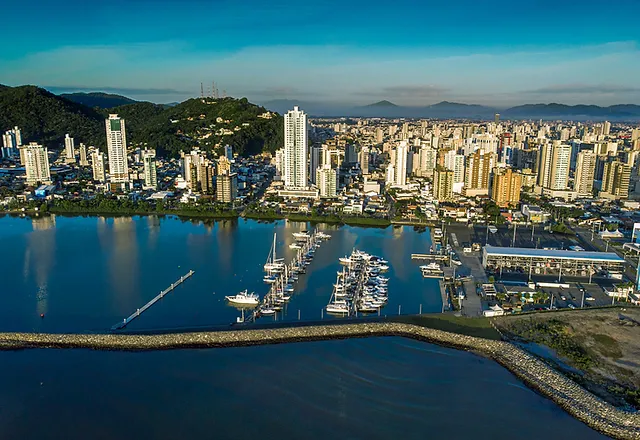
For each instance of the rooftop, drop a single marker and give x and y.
(555, 254)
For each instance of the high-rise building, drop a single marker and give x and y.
(350, 156)
(150, 169)
(11, 142)
(314, 162)
(379, 135)
(327, 181)
(295, 149)
(496, 118)
(427, 158)
(36, 164)
(83, 155)
(364, 160)
(477, 173)
(443, 184)
(197, 171)
(228, 152)
(553, 166)
(606, 128)
(117, 150)
(279, 162)
(585, 171)
(400, 165)
(98, 166)
(635, 134)
(226, 187)
(615, 181)
(69, 149)
(506, 187)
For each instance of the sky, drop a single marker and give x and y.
(413, 53)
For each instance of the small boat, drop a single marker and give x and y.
(270, 279)
(295, 246)
(268, 311)
(344, 260)
(244, 298)
(340, 309)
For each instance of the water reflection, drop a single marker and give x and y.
(124, 261)
(39, 258)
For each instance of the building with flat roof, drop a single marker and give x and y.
(553, 261)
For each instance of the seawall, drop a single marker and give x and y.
(580, 403)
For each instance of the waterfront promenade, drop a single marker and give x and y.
(575, 400)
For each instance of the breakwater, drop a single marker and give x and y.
(567, 394)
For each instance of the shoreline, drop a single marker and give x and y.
(537, 375)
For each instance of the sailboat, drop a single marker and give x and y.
(273, 264)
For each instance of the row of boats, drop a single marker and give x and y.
(360, 285)
(281, 276)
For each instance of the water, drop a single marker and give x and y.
(86, 274)
(383, 388)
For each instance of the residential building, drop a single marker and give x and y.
(228, 152)
(585, 171)
(36, 164)
(11, 142)
(69, 149)
(615, 180)
(226, 187)
(477, 173)
(553, 166)
(117, 150)
(364, 160)
(427, 157)
(400, 165)
(83, 155)
(506, 187)
(327, 181)
(150, 169)
(295, 149)
(98, 165)
(314, 162)
(443, 184)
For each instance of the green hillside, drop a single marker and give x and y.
(45, 117)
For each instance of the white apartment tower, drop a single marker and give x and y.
(117, 150)
(69, 149)
(150, 171)
(585, 171)
(400, 165)
(295, 149)
(36, 164)
(327, 181)
(553, 166)
(99, 172)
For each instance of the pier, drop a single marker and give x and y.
(434, 257)
(142, 309)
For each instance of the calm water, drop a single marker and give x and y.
(386, 388)
(86, 274)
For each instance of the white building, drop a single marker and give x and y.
(585, 171)
(150, 170)
(11, 141)
(295, 149)
(364, 160)
(36, 164)
(117, 150)
(327, 181)
(99, 172)
(553, 166)
(69, 149)
(400, 165)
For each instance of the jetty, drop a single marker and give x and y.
(434, 257)
(145, 307)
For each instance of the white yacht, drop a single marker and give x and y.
(244, 298)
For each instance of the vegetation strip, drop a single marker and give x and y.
(567, 394)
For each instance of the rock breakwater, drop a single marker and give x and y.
(574, 399)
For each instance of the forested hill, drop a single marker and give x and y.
(98, 99)
(46, 118)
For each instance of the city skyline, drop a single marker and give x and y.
(410, 54)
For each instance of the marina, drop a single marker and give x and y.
(281, 276)
(359, 287)
(145, 307)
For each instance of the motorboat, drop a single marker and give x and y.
(295, 246)
(244, 298)
(268, 311)
(337, 308)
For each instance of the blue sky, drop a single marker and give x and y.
(410, 52)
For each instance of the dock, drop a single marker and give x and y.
(142, 309)
(434, 257)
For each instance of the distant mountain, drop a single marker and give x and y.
(98, 99)
(44, 117)
(384, 103)
(578, 112)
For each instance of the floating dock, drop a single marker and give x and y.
(436, 257)
(142, 309)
